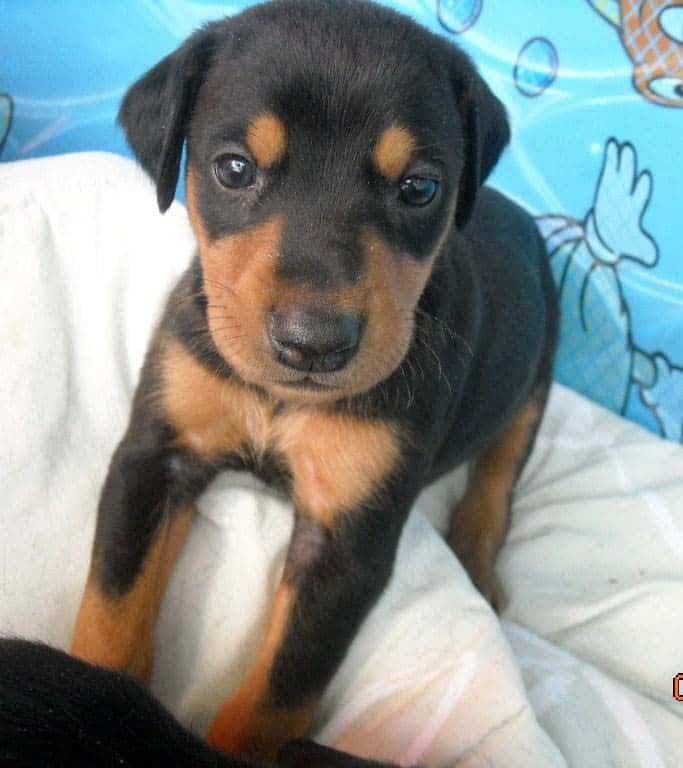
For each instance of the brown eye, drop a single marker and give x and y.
(234, 171)
(417, 190)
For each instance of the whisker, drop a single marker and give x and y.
(217, 331)
(218, 284)
(188, 297)
(447, 329)
(223, 318)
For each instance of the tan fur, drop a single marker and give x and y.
(239, 283)
(211, 416)
(118, 632)
(480, 520)
(241, 286)
(267, 139)
(246, 722)
(397, 284)
(393, 152)
(337, 461)
(259, 733)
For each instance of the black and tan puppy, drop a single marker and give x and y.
(360, 318)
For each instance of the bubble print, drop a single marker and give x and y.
(536, 66)
(457, 16)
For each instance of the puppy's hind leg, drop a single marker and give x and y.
(481, 518)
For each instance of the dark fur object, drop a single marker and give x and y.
(58, 712)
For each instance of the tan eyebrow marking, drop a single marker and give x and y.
(267, 139)
(393, 151)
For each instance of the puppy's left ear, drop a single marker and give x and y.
(156, 110)
(486, 131)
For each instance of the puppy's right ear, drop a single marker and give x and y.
(156, 110)
(485, 127)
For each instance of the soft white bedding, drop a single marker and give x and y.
(578, 673)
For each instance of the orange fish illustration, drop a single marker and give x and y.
(651, 31)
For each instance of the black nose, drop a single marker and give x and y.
(313, 339)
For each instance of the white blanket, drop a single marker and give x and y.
(580, 672)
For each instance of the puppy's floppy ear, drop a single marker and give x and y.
(156, 110)
(486, 131)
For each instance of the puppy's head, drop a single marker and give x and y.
(332, 148)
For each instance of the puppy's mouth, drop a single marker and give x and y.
(307, 382)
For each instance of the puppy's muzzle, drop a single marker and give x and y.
(312, 339)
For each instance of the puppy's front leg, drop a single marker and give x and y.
(331, 580)
(350, 505)
(143, 520)
(144, 515)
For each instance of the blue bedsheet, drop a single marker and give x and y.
(594, 89)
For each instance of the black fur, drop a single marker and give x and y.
(156, 113)
(308, 754)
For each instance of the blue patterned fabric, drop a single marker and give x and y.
(594, 89)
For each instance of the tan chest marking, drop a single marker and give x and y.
(212, 416)
(336, 461)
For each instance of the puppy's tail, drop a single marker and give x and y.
(59, 712)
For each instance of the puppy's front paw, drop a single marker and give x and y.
(244, 727)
